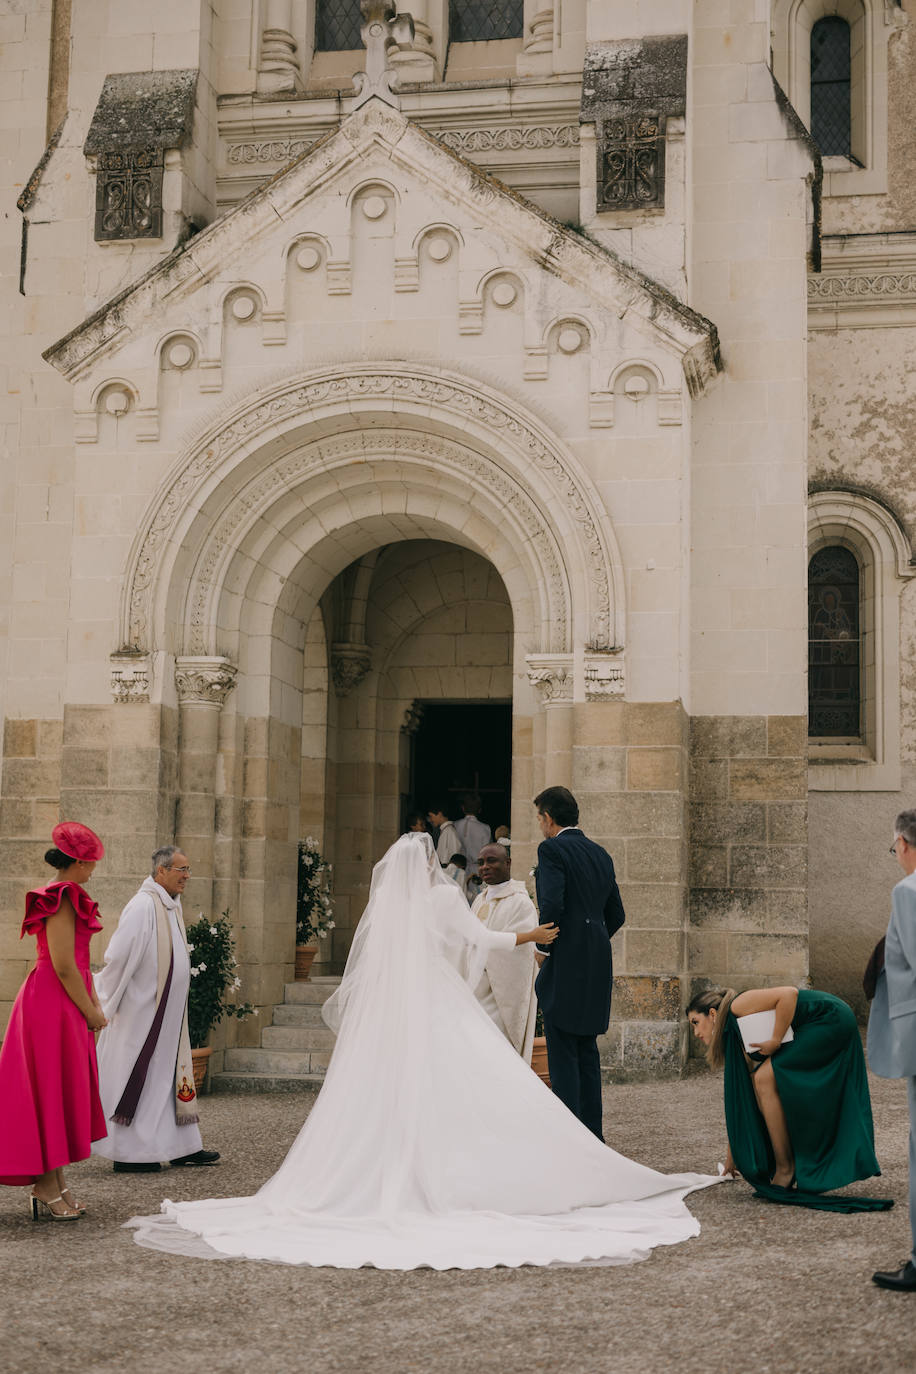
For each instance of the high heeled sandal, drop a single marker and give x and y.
(35, 1203)
(71, 1201)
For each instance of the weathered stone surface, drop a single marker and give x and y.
(707, 950)
(768, 866)
(741, 821)
(764, 779)
(20, 739)
(600, 722)
(655, 723)
(657, 814)
(31, 777)
(599, 768)
(660, 861)
(646, 998)
(84, 768)
(653, 951)
(728, 737)
(708, 780)
(787, 735)
(654, 770)
(782, 956)
(787, 822)
(653, 905)
(653, 1051)
(708, 865)
(143, 109)
(750, 910)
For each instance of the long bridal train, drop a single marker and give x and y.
(432, 1143)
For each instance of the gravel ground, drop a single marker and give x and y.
(763, 1288)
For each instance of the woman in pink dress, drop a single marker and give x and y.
(49, 1084)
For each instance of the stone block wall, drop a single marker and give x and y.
(748, 851)
(628, 773)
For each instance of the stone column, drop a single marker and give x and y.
(418, 59)
(203, 685)
(278, 67)
(536, 58)
(552, 678)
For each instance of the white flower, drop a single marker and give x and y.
(190, 948)
(194, 972)
(256, 1011)
(330, 925)
(236, 983)
(201, 967)
(213, 930)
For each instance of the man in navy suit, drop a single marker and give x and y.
(576, 890)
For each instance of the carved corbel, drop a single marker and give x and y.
(130, 676)
(604, 676)
(204, 680)
(552, 678)
(349, 665)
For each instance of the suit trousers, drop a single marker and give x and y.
(575, 1074)
(911, 1098)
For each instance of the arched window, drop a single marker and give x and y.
(834, 645)
(337, 25)
(831, 85)
(482, 21)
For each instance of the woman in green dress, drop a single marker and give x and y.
(798, 1114)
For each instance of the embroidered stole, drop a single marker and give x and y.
(184, 1090)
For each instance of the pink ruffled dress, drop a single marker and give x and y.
(49, 1082)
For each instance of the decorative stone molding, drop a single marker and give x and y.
(510, 138)
(604, 677)
(203, 680)
(552, 678)
(382, 31)
(130, 677)
(267, 150)
(296, 402)
(349, 665)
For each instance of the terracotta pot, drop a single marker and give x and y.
(305, 955)
(200, 1059)
(539, 1059)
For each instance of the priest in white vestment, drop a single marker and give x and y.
(146, 1080)
(506, 987)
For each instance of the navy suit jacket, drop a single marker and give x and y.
(577, 890)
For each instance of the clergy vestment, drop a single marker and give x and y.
(506, 987)
(473, 834)
(143, 989)
(448, 843)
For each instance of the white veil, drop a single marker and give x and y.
(432, 1142)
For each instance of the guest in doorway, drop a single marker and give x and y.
(577, 891)
(48, 1077)
(456, 869)
(473, 834)
(415, 823)
(448, 842)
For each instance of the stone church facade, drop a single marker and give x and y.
(533, 366)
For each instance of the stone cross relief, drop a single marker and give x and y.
(382, 29)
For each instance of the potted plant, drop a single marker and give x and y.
(314, 906)
(214, 983)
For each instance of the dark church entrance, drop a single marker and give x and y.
(464, 747)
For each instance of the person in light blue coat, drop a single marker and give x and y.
(892, 1020)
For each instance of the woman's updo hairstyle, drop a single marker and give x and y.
(58, 859)
(703, 1003)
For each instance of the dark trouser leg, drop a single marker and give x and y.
(590, 1084)
(911, 1094)
(563, 1063)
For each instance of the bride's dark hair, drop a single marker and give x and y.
(720, 1000)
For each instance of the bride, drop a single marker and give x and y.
(432, 1143)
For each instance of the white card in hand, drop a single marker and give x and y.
(758, 1027)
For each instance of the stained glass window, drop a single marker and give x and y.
(480, 21)
(831, 126)
(834, 692)
(337, 24)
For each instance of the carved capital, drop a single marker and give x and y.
(204, 681)
(349, 665)
(412, 718)
(604, 676)
(130, 676)
(552, 678)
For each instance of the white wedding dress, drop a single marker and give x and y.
(432, 1143)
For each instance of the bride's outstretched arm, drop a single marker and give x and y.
(540, 935)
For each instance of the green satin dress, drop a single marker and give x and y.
(823, 1086)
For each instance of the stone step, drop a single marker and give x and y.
(297, 1038)
(266, 1082)
(299, 1014)
(316, 990)
(277, 1061)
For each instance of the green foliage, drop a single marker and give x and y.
(213, 978)
(314, 906)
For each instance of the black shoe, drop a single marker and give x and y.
(120, 1168)
(199, 1157)
(903, 1280)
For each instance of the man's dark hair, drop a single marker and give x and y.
(413, 815)
(440, 807)
(559, 804)
(470, 804)
(459, 861)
